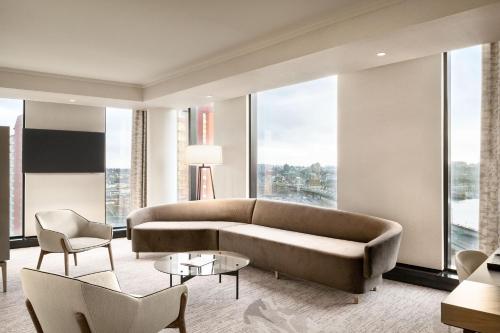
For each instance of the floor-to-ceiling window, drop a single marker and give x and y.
(296, 143)
(11, 115)
(118, 162)
(464, 114)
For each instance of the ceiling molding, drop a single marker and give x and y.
(347, 13)
(68, 77)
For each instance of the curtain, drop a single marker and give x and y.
(489, 204)
(138, 174)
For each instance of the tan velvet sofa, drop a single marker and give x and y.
(343, 250)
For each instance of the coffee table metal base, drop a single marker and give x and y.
(185, 278)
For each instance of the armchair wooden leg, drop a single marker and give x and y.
(82, 322)
(3, 264)
(137, 255)
(40, 258)
(66, 264)
(74, 257)
(180, 322)
(33, 316)
(66, 255)
(111, 257)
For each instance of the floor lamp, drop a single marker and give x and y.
(203, 156)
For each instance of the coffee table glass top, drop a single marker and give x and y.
(223, 262)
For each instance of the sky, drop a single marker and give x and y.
(10, 109)
(297, 124)
(118, 137)
(465, 112)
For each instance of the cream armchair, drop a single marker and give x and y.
(467, 261)
(94, 303)
(65, 231)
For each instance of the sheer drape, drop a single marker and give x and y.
(489, 216)
(138, 172)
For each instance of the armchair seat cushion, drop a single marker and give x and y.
(333, 246)
(84, 243)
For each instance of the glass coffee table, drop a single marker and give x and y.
(203, 263)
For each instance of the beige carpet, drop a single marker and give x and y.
(265, 304)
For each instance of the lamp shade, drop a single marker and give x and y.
(204, 154)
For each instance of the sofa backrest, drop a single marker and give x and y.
(318, 221)
(234, 210)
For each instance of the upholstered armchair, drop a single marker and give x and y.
(467, 261)
(95, 303)
(65, 231)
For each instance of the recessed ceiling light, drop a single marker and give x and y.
(209, 96)
(381, 54)
(72, 100)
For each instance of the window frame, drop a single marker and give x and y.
(446, 70)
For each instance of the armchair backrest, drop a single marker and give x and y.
(64, 221)
(55, 299)
(58, 301)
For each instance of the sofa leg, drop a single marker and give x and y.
(356, 299)
(374, 289)
(277, 275)
(137, 255)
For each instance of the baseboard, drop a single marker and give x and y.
(17, 243)
(21, 242)
(422, 276)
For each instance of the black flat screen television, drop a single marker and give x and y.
(55, 151)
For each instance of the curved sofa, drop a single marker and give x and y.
(343, 250)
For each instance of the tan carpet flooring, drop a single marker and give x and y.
(265, 304)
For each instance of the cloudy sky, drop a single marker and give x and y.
(297, 124)
(118, 137)
(465, 117)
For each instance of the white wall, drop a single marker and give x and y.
(231, 132)
(83, 192)
(162, 156)
(390, 155)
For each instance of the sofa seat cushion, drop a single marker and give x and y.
(178, 236)
(83, 243)
(185, 225)
(333, 262)
(338, 247)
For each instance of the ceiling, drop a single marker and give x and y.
(140, 41)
